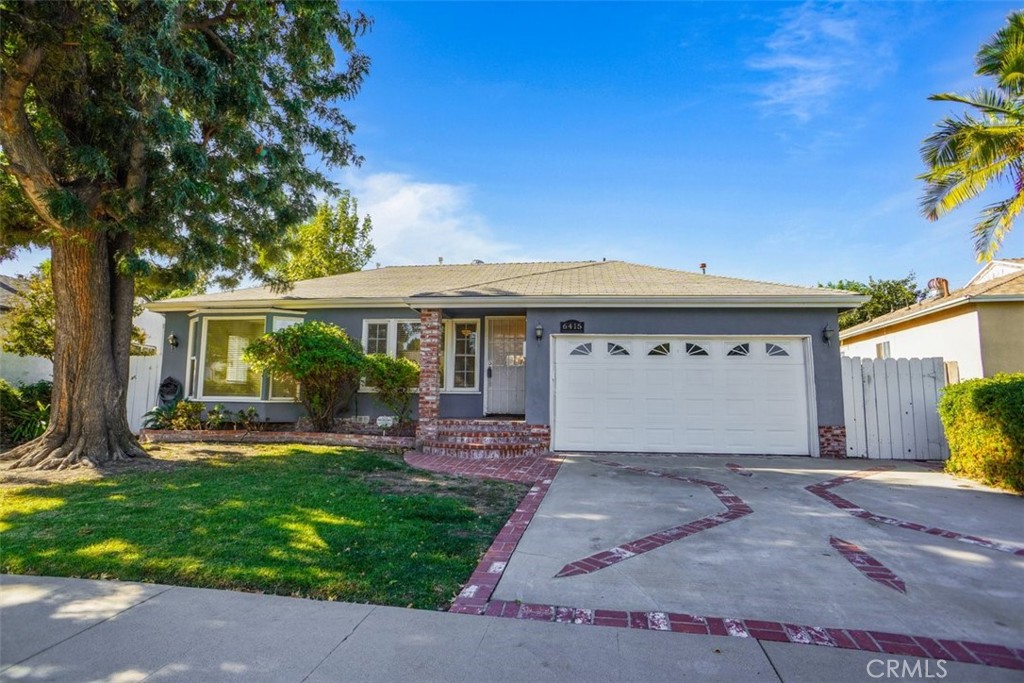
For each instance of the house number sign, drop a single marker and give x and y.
(571, 326)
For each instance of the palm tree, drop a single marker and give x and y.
(985, 146)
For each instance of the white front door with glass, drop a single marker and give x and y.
(506, 366)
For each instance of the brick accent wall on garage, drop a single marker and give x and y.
(832, 441)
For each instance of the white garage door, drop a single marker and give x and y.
(680, 395)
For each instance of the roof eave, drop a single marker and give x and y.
(805, 301)
(837, 301)
(872, 326)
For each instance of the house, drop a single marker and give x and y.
(608, 355)
(980, 326)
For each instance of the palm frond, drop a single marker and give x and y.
(997, 221)
(988, 101)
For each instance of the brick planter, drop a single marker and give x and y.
(373, 441)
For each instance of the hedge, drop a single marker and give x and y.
(984, 423)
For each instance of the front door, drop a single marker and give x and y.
(505, 375)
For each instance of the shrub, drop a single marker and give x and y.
(394, 379)
(250, 419)
(320, 357)
(984, 423)
(187, 415)
(159, 417)
(217, 416)
(24, 411)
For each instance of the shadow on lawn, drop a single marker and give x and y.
(323, 523)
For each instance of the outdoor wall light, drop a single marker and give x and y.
(538, 332)
(172, 339)
(828, 333)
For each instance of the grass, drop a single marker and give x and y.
(315, 522)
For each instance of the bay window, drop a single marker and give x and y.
(223, 373)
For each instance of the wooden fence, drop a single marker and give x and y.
(891, 408)
(143, 386)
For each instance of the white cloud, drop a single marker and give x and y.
(819, 53)
(415, 222)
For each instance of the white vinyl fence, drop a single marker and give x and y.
(891, 408)
(143, 386)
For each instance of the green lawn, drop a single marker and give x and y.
(318, 522)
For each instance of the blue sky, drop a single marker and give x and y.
(774, 141)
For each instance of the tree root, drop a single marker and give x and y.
(53, 451)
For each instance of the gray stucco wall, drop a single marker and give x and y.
(175, 364)
(828, 379)
(757, 321)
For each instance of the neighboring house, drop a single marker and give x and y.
(27, 369)
(612, 356)
(14, 368)
(980, 326)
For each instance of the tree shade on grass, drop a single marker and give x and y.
(316, 522)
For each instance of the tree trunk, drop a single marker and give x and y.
(92, 341)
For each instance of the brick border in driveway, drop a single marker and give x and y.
(476, 596)
(824, 491)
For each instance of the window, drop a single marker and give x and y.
(660, 350)
(775, 350)
(409, 341)
(617, 349)
(882, 350)
(395, 338)
(695, 350)
(582, 350)
(224, 374)
(739, 350)
(462, 351)
(282, 387)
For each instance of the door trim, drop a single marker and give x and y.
(485, 385)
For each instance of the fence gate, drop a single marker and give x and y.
(891, 408)
(143, 385)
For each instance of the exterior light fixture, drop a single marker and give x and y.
(828, 333)
(538, 332)
(172, 340)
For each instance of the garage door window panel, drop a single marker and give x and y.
(617, 349)
(664, 349)
(739, 350)
(775, 350)
(695, 350)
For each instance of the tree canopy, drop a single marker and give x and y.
(333, 242)
(886, 297)
(984, 146)
(162, 142)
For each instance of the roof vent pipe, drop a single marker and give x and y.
(938, 287)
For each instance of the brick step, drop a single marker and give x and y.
(478, 445)
(481, 451)
(496, 437)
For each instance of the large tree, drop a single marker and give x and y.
(975, 150)
(159, 140)
(333, 242)
(886, 297)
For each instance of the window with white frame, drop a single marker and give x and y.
(460, 356)
(223, 372)
(395, 338)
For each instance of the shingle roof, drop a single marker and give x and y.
(543, 279)
(1007, 285)
(10, 287)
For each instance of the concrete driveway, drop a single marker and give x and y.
(855, 544)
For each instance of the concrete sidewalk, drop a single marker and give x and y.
(55, 629)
